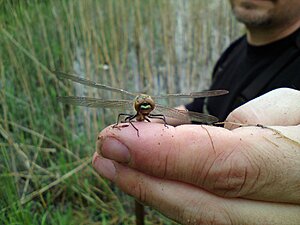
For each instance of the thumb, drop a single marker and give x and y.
(249, 162)
(275, 108)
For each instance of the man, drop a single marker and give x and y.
(211, 175)
(268, 57)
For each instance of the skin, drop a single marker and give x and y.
(197, 174)
(267, 20)
(210, 175)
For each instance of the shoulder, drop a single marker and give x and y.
(237, 44)
(234, 48)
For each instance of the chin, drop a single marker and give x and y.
(252, 17)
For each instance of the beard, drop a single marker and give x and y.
(250, 15)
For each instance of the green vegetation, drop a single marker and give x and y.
(46, 147)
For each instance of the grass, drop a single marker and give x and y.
(45, 147)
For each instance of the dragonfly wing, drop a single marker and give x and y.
(90, 83)
(95, 102)
(185, 116)
(201, 94)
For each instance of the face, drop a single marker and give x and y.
(144, 103)
(266, 13)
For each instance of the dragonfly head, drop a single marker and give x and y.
(144, 104)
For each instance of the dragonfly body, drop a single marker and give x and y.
(144, 105)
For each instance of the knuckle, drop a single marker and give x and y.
(233, 175)
(133, 184)
(140, 191)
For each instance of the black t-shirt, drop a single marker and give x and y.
(248, 71)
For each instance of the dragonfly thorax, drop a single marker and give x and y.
(144, 104)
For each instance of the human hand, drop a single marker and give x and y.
(210, 175)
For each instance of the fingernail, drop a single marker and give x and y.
(113, 149)
(105, 168)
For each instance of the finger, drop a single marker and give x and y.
(249, 162)
(188, 204)
(277, 107)
(104, 167)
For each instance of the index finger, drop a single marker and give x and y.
(247, 162)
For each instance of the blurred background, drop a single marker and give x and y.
(153, 46)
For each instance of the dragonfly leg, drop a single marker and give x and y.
(118, 120)
(123, 114)
(147, 119)
(137, 130)
(128, 119)
(159, 116)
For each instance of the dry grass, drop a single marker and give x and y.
(154, 46)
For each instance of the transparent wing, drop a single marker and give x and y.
(185, 116)
(201, 94)
(90, 83)
(96, 102)
(77, 79)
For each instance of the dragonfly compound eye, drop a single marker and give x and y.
(144, 103)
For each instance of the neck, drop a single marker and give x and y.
(262, 36)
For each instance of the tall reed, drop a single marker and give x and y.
(46, 147)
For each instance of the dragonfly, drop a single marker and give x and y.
(145, 106)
